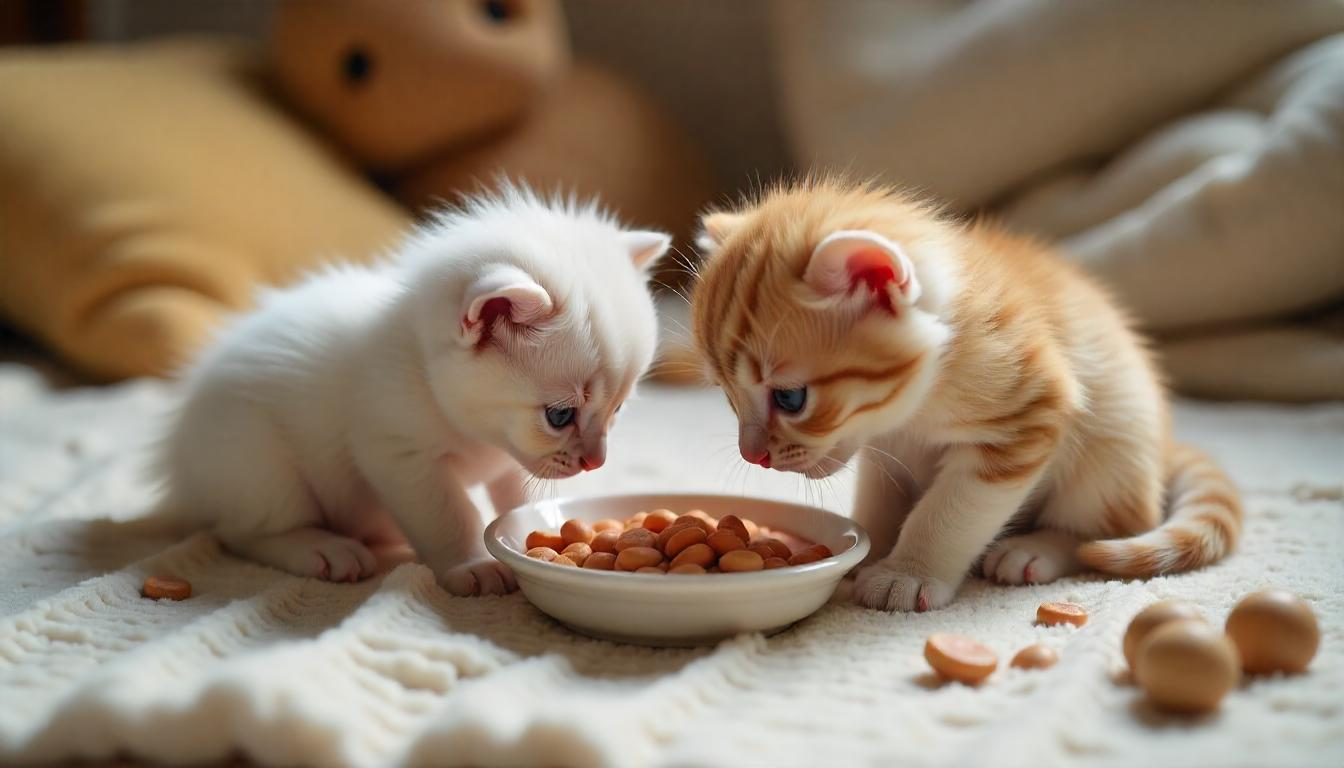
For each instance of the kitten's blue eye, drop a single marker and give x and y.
(790, 400)
(560, 416)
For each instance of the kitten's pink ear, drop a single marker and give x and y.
(852, 259)
(503, 293)
(715, 228)
(646, 247)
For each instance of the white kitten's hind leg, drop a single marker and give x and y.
(311, 552)
(1038, 557)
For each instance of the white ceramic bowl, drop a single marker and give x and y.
(669, 610)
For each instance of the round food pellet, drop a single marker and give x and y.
(725, 541)
(565, 561)
(1274, 631)
(1036, 656)
(578, 552)
(700, 554)
(683, 538)
(159, 587)
(810, 555)
(634, 558)
(733, 524)
(636, 537)
(607, 524)
(1152, 617)
(543, 539)
(960, 658)
(686, 568)
(600, 561)
(777, 547)
(659, 519)
(775, 562)
(1187, 666)
(650, 569)
(741, 561)
(576, 531)
(1050, 614)
(542, 553)
(635, 521)
(605, 541)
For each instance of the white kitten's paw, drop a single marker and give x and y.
(312, 552)
(483, 576)
(892, 588)
(337, 558)
(1038, 557)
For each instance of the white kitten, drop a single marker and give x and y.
(356, 408)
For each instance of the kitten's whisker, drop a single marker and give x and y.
(907, 469)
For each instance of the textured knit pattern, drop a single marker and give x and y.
(284, 670)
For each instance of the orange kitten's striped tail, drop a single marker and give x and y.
(1202, 525)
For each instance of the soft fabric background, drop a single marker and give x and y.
(283, 670)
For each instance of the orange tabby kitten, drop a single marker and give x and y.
(1003, 404)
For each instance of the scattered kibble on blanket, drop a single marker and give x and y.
(1036, 656)
(1050, 614)
(1274, 631)
(1151, 618)
(1187, 666)
(159, 587)
(960, 658)
(661, 541)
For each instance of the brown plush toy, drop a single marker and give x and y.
(442, 97)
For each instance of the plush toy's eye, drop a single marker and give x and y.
(356, 66)
(560, 416)
(790, 400)
(497, 10)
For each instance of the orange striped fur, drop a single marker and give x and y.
(1006, 374)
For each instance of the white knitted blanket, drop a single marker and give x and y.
(283, 670)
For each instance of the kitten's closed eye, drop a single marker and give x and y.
(560, 416)
(790, 400)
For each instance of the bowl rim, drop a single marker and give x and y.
(835, 566)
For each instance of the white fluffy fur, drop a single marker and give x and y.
(354, 410)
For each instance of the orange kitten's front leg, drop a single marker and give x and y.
(976, 493)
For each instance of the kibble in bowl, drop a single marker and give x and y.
(671, 577)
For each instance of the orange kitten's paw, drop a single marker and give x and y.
(484, 576)
(1038, 557)
(892, 588)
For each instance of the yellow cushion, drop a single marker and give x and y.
(146, 191)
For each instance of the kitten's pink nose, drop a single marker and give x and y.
(589, 463)
(761, 457)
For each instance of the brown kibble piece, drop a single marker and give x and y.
(635, 521)
(578, 552)
(687, 568)
(543, 539)
(683, 538)
(659, 519)
(575, 531)
(607, 524)
(685, 520)
(777, 547)
(1050, 614)
(565, 561)
(775, 562)
(733, 524)
(700, 554)
(753, 530)
(1187, 666)
(542, 553)
(636, 537)
(600, 561)
(671, 530)
(605, 541)
(811, 555)
(724, 541)
(960, 658)
(740, 561)
(1036, 656)
(1274, 631)
(634, 558)
(1152, 617)
(656, 571)
(159, 587)
(764, 550)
